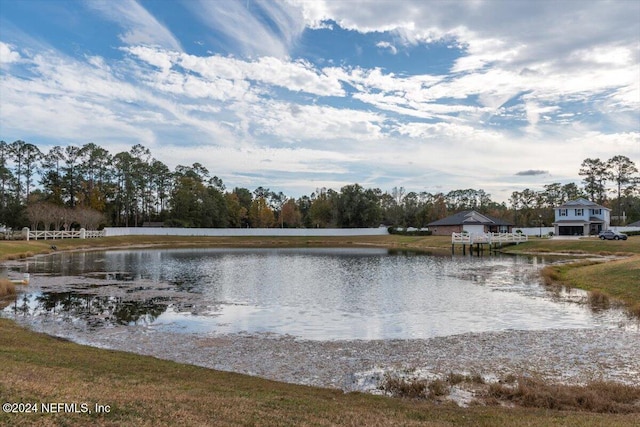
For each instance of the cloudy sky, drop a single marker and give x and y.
(300, 94)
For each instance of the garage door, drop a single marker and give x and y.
(473, 229)
(571, 230)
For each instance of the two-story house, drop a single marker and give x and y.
(581, 218)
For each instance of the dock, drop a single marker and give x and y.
(484, 240)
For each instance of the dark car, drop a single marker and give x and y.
(612, 235)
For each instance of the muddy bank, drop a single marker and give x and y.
(565, 356)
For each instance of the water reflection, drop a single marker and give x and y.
(97, 311)
(310, 293)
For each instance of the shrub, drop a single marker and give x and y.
(396, 230)
(7, 288)
(550, 276)
(603, 397)
(598, 300)
(438, 388)
(634, 310)
(400, 387)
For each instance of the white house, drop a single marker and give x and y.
(581, 218)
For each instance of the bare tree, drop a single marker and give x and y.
(37, 213)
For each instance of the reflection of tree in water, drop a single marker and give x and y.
(97, 310)
(21, 305)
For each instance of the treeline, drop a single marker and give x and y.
(87, 186)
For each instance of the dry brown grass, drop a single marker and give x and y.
(596, 397)
(401, 387)
(7, 288)
(599, 300)
(602, 397)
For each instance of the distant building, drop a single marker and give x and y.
(581, 218)
(471, 222)
(634, 224)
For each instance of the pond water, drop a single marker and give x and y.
(313, 294)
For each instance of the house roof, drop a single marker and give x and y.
(581, 203)
(469, 217)
(634, 224)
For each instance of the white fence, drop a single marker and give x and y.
(46, 234)
(488, 238)
(232, 232)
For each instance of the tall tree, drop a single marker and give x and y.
(244, 200)
(96, 167)
(622, 171)
(142, 179)
(32, 156)
(17, 150)
(238, 215)
(161, 182)
(290, 215)
(51, 177)
(124, 200)
(358, 207)
(571, 191)
(321, 211)
(260, 214)
(595, 178)
(6, 180)
(72, 177)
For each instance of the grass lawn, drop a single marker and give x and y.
(618, 279)
(22, 249)
(590, 245)
(144, 391)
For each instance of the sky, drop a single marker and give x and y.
(296, 95)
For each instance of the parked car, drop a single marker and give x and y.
(612, 235)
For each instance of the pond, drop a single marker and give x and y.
(312, 294)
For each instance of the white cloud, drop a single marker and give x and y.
(538, 85)
(260, 28)
(581, 48)
(140, 26)
(387, 46)
(310, 123)
(294, 76)
(7, 54)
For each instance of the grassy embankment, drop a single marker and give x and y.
(608, 281)
(145, 391)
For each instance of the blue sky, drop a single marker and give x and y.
(296, 95)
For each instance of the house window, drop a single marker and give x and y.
(579, 212)
(563, 212)
(596, 211)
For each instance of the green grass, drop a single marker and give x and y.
(589, 245)
(618, 280)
